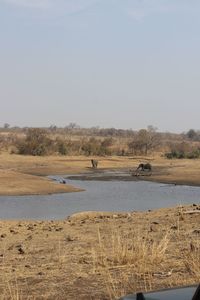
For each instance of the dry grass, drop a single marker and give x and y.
(99, 255)
(120, 255)
(134, 261)
(192, 259)
(133, 249)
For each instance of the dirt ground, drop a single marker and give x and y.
(100, 255)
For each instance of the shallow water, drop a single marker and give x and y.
(100, 196)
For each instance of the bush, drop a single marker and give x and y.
(36, 143)
(183, 150)
(61, 147)
(97, 147)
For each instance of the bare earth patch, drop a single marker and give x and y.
(99, 255)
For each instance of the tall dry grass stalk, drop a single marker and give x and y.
(192, 259)
(127, 262)
(12, 290)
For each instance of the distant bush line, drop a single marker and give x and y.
(40, 142)
(181, 155)
(183, 150)
(74, 140)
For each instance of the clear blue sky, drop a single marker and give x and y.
(107, 63)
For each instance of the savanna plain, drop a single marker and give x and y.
(97, 255)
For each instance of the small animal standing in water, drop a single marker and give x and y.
(94, 163)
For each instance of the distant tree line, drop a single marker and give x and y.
(183, 150)
(75, 129)
(40, 141)
(74, 140)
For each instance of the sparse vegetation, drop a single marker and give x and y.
(123, 253)
(183, 150)
(74, 140)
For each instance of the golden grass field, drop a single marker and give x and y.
(96, 255)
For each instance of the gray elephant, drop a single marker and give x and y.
(144, 167)
(94, 163)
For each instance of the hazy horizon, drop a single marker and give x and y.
(108, 63)
(7, 126)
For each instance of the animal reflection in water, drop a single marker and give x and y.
(143, 169)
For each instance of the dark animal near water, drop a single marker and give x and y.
(94, 163)
(142, 170)
(63, 181)
(144, 167)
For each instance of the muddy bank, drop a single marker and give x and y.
(159, 174)
(124, 174)
(105, 175)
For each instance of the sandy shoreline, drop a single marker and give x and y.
(27, 175)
